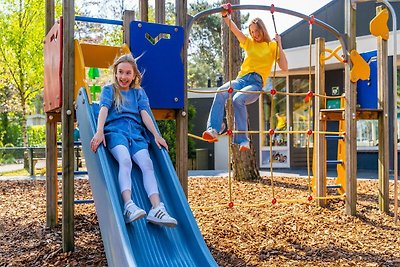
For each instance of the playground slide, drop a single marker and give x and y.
(139, 243)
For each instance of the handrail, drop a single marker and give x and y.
(98, 20)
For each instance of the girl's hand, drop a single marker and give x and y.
(160, 142)
(97, 139)
(278, 38)
(225, 11)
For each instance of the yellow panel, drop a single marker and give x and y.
(360, 68)
(96, 56)
(80, 80)
(101, 56)
(341, 155)
(378, 25)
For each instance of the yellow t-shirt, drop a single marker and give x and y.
(259, 58)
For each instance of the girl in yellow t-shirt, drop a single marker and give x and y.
(261, 52)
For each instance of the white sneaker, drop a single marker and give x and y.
(161, 217)
(244, 146)
(133, 212)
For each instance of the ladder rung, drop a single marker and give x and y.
(337, 186)
(334, 137)
(76, 173)
(79, 201)
(334, 162)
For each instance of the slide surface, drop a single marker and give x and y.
(139, 243)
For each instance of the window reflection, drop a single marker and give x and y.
(301, 105)
(275, 116)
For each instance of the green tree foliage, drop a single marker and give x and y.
(205, 52)
(21, 55)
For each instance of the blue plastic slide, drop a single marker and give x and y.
(139, 243)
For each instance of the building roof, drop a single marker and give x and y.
(334, 14)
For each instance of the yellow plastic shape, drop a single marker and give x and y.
(360, 68)
(333, 53)
(378, 25)
(96, 56)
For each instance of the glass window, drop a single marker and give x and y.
(367, 133)
(275, 116)
(301, 105)
(398, 105)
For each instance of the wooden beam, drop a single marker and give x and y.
(182, 115)
(51, 170)
(51, 144)
(67, 125)
(128, 16)
(144, 10)
(339, 114)
(319, 151)
(160, 11)
(383, 122)
(164, 114)
(350, 113)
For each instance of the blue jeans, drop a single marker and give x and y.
(251, 82)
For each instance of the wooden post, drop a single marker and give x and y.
(67, 124)
(320, 125)
(128, 16)
(144, 10)
(383, 122)
(160, 11)
(51, 145)
(350, 113)
(51, 171)
(182, 116)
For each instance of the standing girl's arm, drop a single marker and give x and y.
(282, 61)
(148, 121)
(98, 138)
(232, 26)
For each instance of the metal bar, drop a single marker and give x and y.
(99, 20)
(318, 22)
(79, 201)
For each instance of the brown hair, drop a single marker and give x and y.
(260, 25)
(135, 82)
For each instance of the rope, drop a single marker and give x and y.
(311, 21)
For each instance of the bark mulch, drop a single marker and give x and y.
(284, 234)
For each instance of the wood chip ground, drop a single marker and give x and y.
(284, 234)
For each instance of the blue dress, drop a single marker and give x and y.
(125, 126)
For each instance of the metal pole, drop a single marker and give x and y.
(318, 22)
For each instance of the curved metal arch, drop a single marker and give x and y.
(318, 22)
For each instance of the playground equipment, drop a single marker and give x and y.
(65, 113)
(356, 68)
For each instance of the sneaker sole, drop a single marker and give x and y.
(138, 217)
(209, 138)
(161, 223)
(244, 148)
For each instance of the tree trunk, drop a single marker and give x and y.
(244, 164)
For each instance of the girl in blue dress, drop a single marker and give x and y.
(124, 111)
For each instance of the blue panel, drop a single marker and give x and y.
(367, 90)
(158, 49)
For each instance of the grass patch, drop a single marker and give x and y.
(21, 172)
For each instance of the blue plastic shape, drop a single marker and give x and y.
(367, 90)
(157, 48)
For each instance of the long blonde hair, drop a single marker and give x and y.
(135, 82)
(260, 24)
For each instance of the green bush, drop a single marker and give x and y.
(168, 131)
(37, 135)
